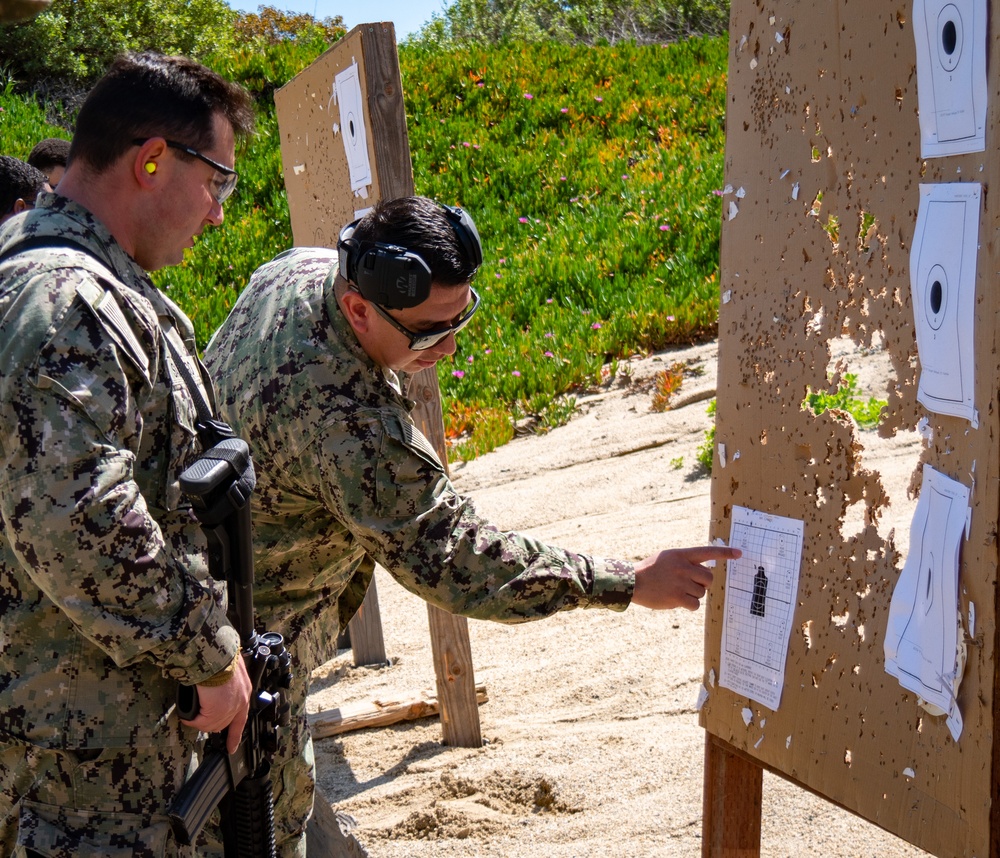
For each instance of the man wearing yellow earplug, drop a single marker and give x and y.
(105, 600)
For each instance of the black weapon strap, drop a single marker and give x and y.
(210, 429)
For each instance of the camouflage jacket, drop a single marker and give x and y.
(345, 480)
(105, 601)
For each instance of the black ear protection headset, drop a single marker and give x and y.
(394, 277)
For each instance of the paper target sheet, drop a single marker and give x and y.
(951, 44)
(943, 284)
(923, 642)
(761, 589)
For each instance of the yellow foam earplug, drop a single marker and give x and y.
(150, 167)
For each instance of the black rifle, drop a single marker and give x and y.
(220, 484)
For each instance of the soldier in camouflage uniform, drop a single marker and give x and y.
(105, 600)
(308, 367)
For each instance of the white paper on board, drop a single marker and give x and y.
(950, 38)
(943, 283)
(921, 640)
(347, 88)
(761, 589)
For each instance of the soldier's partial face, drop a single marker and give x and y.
(189, 204)
(443, 306)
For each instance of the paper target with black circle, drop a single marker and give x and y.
(951, 75)
(943, 284)
(352, 128)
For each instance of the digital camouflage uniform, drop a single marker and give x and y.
(105, 603)
(345, 480)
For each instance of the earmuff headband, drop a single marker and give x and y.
(394, 277)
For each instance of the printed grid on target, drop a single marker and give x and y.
(760, 594)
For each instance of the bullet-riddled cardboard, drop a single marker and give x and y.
(822, 177)
(313, 129)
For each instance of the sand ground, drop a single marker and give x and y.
(591, 739)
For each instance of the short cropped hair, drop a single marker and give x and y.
(420, 225)
(151, 95)
(48, 153)
(18, 181)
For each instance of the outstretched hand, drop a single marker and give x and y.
(677, 578)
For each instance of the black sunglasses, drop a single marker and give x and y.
(420, 340)
(223, 188)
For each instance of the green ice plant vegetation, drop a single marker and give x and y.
(848, 398)
(706, 452)
(593, 174)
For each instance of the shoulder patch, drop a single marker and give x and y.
(104, 304)
(416, 440)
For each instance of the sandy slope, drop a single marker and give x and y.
(592, 744)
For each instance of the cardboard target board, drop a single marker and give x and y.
(853, 649)
(334, 166)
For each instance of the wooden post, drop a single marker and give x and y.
(320, 202)
(456, 680)
(365, 631)
(732, 803)
(452, 652)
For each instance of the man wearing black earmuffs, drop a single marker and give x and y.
(311, 367)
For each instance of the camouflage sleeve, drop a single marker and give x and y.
(73, 511)
(385, 481)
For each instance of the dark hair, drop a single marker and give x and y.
(422, 226)
(48, 153)
(18, 181)
(152, 95)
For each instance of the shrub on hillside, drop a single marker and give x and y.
(492, 22)
(74, 41)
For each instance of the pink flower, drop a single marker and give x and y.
(517, 373)
(498, 275)
(466, 145)
(596, 325)
(549, 300)
(664, 227)
(549, 335)
(470, 359)
(458, 373)
(598, 98)
(528, 96)
(671, 319)
(487, 351)
(479, 83)
(562, 178)
(522, 220)
(549, 354)
(564, 110)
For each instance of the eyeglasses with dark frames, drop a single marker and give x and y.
(224, 187)
(421, 340)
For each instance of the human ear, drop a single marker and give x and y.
(356, 310)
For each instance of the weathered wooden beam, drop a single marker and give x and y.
(379, 713)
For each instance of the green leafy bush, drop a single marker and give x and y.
(589, 22)
(73, 41)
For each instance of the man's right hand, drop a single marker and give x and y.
(222, 706)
